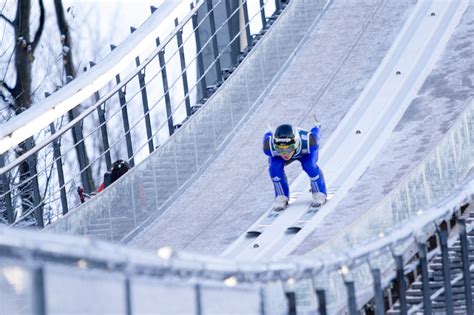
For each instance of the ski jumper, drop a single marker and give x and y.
(306, 153)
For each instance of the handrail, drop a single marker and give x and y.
(113, 256)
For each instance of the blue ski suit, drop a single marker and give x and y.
(306, 153)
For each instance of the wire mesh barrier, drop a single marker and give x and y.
(377, 271)
(132, 115)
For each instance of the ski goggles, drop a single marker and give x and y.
(285, 149)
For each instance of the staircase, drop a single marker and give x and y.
(436, 280)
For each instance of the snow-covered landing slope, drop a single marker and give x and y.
(374, 115)
(326, 77)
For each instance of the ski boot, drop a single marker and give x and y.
(319, 199)
(281, 202)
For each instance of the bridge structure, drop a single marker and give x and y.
(391, 83)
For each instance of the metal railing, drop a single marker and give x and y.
(129, 117)
(184, 280)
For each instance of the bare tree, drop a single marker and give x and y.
(19, 96)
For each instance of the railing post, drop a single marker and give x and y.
(215, 46)
(262, 14)
(262, 300)
(378, 293)
(291, 298)
(321, 301)
(128, 297)
(402, 285)
(79, 146)
(390, 296)
(164, 77)
(233, 28)
(465, 265)
(425, 281)
(184, 75)
(126, 123)
(198, 297)
(59, 167)
(448, 293)
(5, 192)
(247, 24)
(32, 163)
(199, 58)
(83, 160)
(278, 6)
(39, 294)
(146, 110)
(103, 127)
(351, 297)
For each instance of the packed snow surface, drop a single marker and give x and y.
(325, 79)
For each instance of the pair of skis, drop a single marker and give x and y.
(292, 229)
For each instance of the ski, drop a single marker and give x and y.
(255, 231)
(308, 215)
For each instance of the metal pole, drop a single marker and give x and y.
(351, 298)
(448, 294)
(7, 198)
(402, 285)
(197, 289)
(262, 301)
(378, 293)
(262, 14)
(184, 76)
(79, 145)
(128, 297)
(164, 77)
(146, 110)
(32, 162)
(233, 31)
(59, 167)
(103, 127)
(247, 24)
(291, 297)
(39, 293)
(277, 6)
(390, 296)
(81, 149)
(465, 265)
(321, 301)
(126, 123)
(199, 58)
(215, 46)
(425, 281)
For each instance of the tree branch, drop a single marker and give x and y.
(6, 87)
(7, 19)
(35, 42)
(4, 98)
